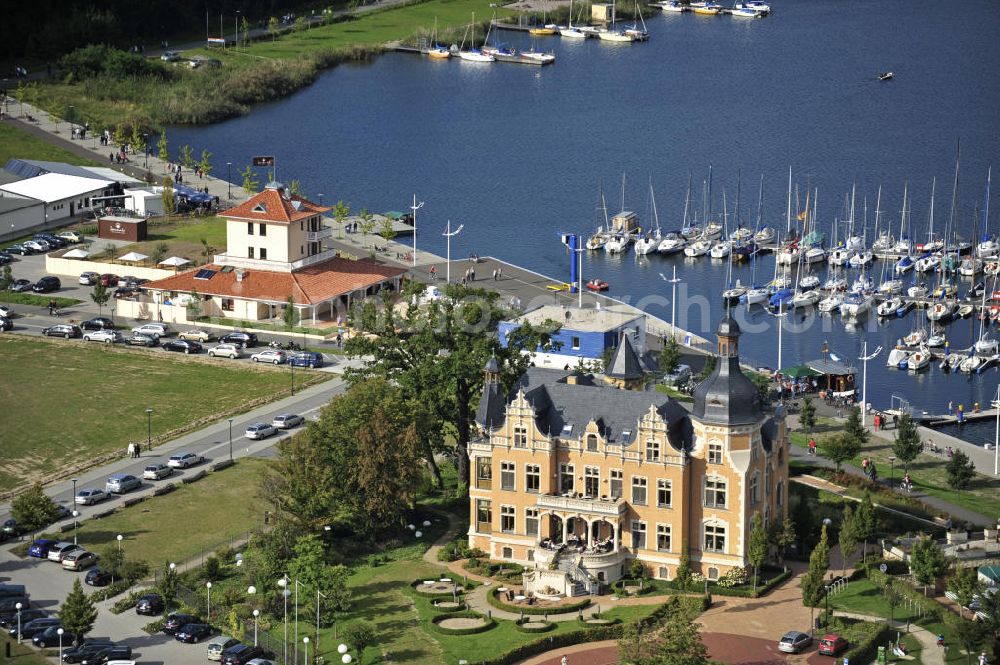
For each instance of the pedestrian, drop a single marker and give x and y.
(564, 661)
(951, 407)
(895, 421)
(982, 658)
(812, 447)
(494, 274)
(875, 421)
(500, 272)
(472, 274)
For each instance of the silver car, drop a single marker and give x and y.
(260, 431)
(287, 420)
(157, 472)
(106, 336)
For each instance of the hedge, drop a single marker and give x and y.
(491, 597)
(490, 623)
(466, 586)
(155, 627)
(865, 638)
(128, 602)
(110, 591)
(648, 586)
(544, 628)
(448, 610)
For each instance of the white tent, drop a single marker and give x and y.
(76, 254)
(175, 261)
(132, 257)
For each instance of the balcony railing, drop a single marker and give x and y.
(244, 262)
(314, 259)
(580, 504)
(323, 232)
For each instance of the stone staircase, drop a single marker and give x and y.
(580, 579)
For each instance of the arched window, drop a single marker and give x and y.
(754, 488)
(592, 442)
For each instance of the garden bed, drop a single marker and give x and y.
(462, 623)
(550, 608)
(533, 625)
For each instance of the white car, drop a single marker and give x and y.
(170, 56)
(287, 420)
(71, 236)
(6, 311)
(89, 278)
(225, 351)
(273, 356)
(37, 245)
(154, 330)
(184, 460)
(195, 335)
(260, 431)
(106, 336)
(157, 471)
(90, 496)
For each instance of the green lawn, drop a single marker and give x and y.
(68, 402)
(182, 236)
(185, 523)
(15, 142)
(21, 654)
(927, 471)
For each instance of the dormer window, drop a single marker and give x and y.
(592, 442)
(260, 207)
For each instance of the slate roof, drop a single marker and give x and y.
(727, 396)
(625, 362)
(563, 409)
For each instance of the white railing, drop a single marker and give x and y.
(598, 506)
(324, 232)
(314, 259)
(244, 262)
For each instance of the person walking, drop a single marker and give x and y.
(565, 661)
(812, 447)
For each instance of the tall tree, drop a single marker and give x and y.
(6, 278)
(360, 635)
(77, 613)
(961, 470)
(848, 538)
(757, 546)
(161, 148)
(906, 445)
(273, 27)
(683, 578)
(386, 231)
(813, 582)
(865, 523)
(840, 448)
(853, 426)
(782, 536)
(291, 314)
(205, 163)
(964, 583)
(100, 296)
(250, 182)
(670, 356)
(637, 643)
(807, 414)
(186, 157)
(990, 607)
(168, 585)
(340, 213)
(169, 202)
(927, 562)
(33, 509)
(970, 634)
(367, 223)
(679, 640)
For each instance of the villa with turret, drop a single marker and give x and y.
(575, 476)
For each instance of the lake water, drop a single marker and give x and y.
(517, 153)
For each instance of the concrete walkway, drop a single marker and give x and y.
(930, 652)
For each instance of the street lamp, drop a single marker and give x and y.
(448, 233)
(208, 587)
(579, 268)
(149, 429)
(230, 439)
(673, 301)
(76, 514)
(256, 613)
(285, 593)
(229, 179)
(864, 381)
(120, 537)
(291, 367)
(892, 468)
(319, 595)
(18, 607)
(59, 632)
(415, 207)
(996, 440)
(74, 491)
(72, 114)
(305, 641)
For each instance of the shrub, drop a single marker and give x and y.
(128, 602)
(109, 591)
(541, 627)
(733, 578)
(492, 598)
(154, 627)
(488, 623)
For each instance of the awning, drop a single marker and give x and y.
(174, 261)
(798, 372)
(133, 257)
(76, 254)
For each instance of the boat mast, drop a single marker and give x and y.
(788, 212)
(986, 207)
(623, 191)
(687, 201)
(930, 231)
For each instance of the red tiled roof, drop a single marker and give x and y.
(311, 285)
(271, 206)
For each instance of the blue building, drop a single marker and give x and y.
(585, 334)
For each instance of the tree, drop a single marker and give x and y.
(115, 562)
(205, 164)
(168, 585)
(158, 253)
(6, 278)
(169, 203)
(813, 582)
(119, 137)
(961, 470)
(111, 250)
(367, 222)
(782, 537)
(100, 296)
(386, 232)
(340, 213)
(300, 24)
(245, 31)
(207, 251)
(853, 426)
(310, 568)
(137, 139)
(927, 562)
(840, 448)
(990, 608)
(893, 597)
(683, 577)
(964, 583)
(161, 147)
(193, 306)
(186, 157)
(865, 523)
(970, 634)
(250, 182)
(757, 546)
(848, 538)
(273, 27)
(360, 635)
(290, 315)
(33, 509)
(679, 641)
(637, 643)
(670, 356)
(907, 444)
(77, 613)
(807, 414)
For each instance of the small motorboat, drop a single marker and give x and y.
(809, 282)
(965, 311)
(885, 76)
(897, 358)
(904, 309)
(597, 285)
(903, 265)
(920, 359)
(889, 307)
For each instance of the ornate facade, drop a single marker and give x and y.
(575, 478)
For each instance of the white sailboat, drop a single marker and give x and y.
(473, 54)
(569, 31)
(920, 359)
(648, 243)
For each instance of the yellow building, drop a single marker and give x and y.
(575, 476)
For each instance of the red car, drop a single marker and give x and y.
(109, 279)
(832, 645)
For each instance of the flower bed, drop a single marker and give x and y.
(438, 587)
(533, 625)
(465, 622)
(445, 605)
(493, 598)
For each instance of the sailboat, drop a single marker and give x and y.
(569, 31)
(600, 237)
(614, 35)
(905, 263)
(649, 242)
(546, 29)
(988, 246)
(473, 54)
(436, 51)
(985, 345)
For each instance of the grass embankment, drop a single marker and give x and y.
(68, 402)
(21, 654)
(21, 298)
(181, 236)
(15, 142)
(160, 528)
(927, 472)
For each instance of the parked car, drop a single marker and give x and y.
(183, 346)
(61, 512)
(8, 620)
(108, 279)
(260, 431)
(272, 356)
(240, 654)
(307, 359)
(287, 420)
(36, 246)
(128, 281)
(10, 604)
(19, 248)
(71, 236)
(33, 627)
(261, 661)
(40, 548)
(98, 323)
(79, 560)
(5, 258)
(195, 335)
(794, 641)
(90, 496)
(66, 330)
(89, 278)
(49, 637)
(88, 648)
(170, 56)
(9, 528)
(58, 551)
(231, 351)
(151, 329)
(97, 577)
(125, 292)
(184, 460)
(150, 604)
(106, 336)
(120, 653)
(245, 339)
(6, 324)
(157, 471)
(193, 633)
(140, 339)
(175, 621)
(832, 644)
(6, 311)
(53, 241)
(21, 285)
(220, 644)
(120, 483)
(46, 284)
